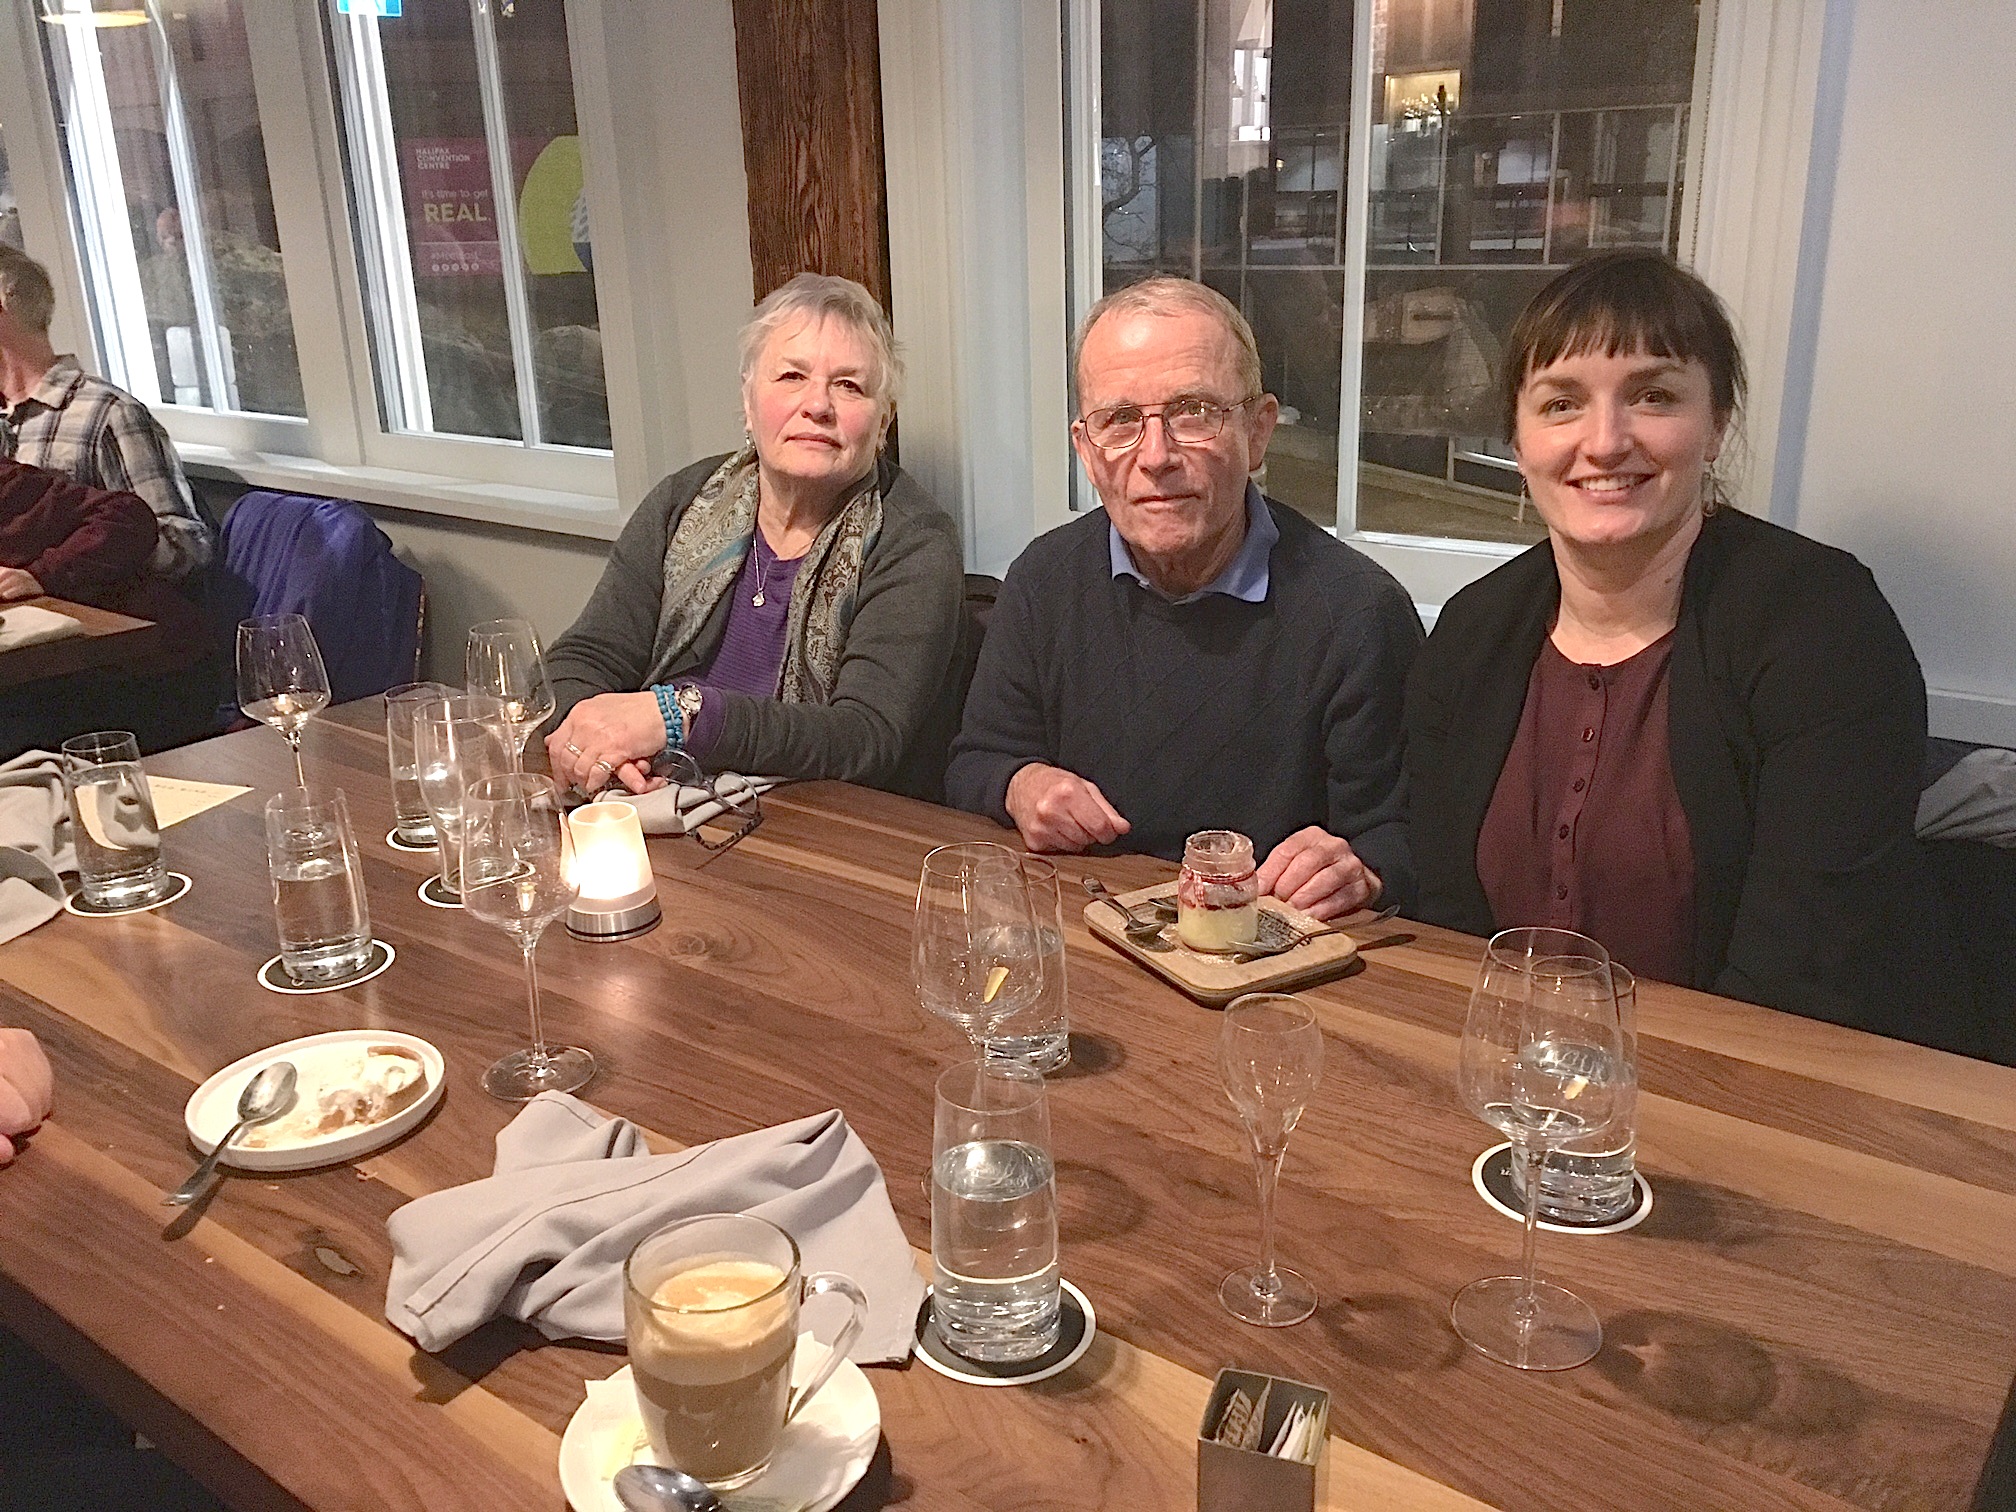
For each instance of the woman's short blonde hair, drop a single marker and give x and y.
(821, 296)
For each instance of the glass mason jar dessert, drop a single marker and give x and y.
(1218, 893)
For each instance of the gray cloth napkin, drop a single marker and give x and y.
(680, 807)
(1976, 800)
(35, 844)
(31, 624)
(544, 1239)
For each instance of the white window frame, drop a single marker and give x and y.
(1749, 146)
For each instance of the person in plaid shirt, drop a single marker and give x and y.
(59, 417)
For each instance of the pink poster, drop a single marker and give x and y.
(450, 218)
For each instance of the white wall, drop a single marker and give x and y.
(1908, 451)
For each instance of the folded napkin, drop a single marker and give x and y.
(35, 844)
(1976, 800)
(544, 1239)
(30, 624)
(680, 808)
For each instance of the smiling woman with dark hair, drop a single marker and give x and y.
(1689, 733)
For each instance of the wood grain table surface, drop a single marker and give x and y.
(109, 640)
(1819, 1314)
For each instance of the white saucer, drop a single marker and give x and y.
(212, 1107)
(822, 1456)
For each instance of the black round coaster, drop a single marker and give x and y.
(392, 839)
(273, 975)
(78, 904)
(1077, 1327)
(434, 895)
(1492, 1176)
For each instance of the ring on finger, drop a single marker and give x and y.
(575, 749)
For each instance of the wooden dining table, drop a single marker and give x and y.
(110, 639)
(1818, 1314)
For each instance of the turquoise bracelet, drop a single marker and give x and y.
(673, 715)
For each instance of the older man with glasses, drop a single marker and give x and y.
(1199, 657)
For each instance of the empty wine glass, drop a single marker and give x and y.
(281, 680)
(1543, 1061)
(977, 958)
(1270, 1058)
(458, 740)
(515, 875)
(503, 659)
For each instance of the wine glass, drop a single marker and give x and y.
(976, 957)
(503, 659)
(515, 875)
(1270, 1058)
(458, 740)
(281, 680)
(1543, 1061)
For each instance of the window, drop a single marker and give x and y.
(1503, 139)
(471, 224)
(169, 189)
(10, 213)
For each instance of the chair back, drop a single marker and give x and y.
(326, 560)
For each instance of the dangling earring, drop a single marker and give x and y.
(1713, 498)
(1525, 498)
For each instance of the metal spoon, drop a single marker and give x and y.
(650, 1488)
(1256, 952)
(1137, 928)
(267, 1094)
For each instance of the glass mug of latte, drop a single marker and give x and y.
(710, 1310)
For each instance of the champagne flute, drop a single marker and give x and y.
(458, 739)
(515, 850)
(1270, 1058)
(1543, 1061)
(976, 957)
(503, 659)
(281, 680)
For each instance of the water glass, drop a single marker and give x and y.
(457, 742)
(413, 821)
(1040, 1035)
(974, 955)
(112, 812)
(318, 886)
(995, 1282)
(1590, 1180)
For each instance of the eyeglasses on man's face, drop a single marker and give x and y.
(1189, 421)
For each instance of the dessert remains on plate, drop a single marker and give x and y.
(349, 1089)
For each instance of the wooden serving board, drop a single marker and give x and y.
(1213, 980)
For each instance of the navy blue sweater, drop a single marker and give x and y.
(1214, 714)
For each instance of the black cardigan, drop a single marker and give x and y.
(1797, 728)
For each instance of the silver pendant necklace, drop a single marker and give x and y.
(762, 571)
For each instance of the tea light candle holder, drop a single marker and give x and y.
(618, 895)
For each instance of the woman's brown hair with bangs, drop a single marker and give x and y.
(1627, 301)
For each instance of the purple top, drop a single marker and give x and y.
(751, 653)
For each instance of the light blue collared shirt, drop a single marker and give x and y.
(1244, 577)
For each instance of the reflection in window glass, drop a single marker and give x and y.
(168, 173)
(1508, 139)
(10, 212)
(466, 183)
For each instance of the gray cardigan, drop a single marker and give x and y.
(894, 695)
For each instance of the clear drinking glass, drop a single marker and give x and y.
(1270, 1058)
(1542, 1060)
(976, 957)
(995, 1283)
(1040, 1035)
(412, 820)
(503, 659)
(281, 680)
(457, 741)
(710, 1313)
(1591, 1179)
(112, 812)
(515, 875)
(318, 886)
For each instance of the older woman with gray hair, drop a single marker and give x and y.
(793, 608)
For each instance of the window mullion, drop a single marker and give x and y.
(504, 210)
(1357, 227)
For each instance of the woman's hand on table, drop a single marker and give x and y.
(611, 737)
(18, 583)
(26, 1087)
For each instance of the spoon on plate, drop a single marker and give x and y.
(265, 1096)
(651, 1488)
(1137, 928)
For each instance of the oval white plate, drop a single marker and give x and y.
(213, 1107)
(822, 1456)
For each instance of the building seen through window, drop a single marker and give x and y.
(1507, 139)
(472, 225)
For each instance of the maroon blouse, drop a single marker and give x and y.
(1585, 829)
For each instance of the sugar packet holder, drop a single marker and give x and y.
(1260, 1444)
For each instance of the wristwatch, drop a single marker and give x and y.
(687, 697)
